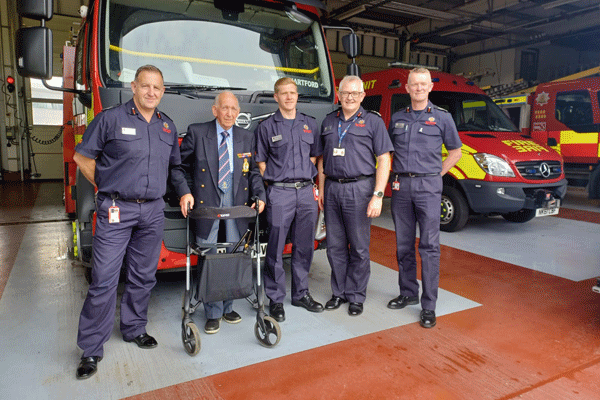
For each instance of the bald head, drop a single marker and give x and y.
(226, 109)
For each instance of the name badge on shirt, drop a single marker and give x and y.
(276, 138)
(128, 131)
(339, 152)
(399, 125)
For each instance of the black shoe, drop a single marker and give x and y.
(402, 301)
(212, 326)
(334, 303)
(276, 311)
(232, 317)
(87, 367)
(144, 341)
(309, 303)
(355, 309)
(427, 319)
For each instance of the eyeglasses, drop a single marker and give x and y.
(351, 94)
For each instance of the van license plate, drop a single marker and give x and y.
(543, 212)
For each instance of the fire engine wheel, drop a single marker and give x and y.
(523, 215)
(271, 336)
(455, 211)
(190, 336)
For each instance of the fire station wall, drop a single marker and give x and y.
(489, 69)
(556, 62)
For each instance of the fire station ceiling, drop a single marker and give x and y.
(461, 27)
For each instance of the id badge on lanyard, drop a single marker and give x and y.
(114, 214)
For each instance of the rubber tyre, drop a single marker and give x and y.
(520, 216)
(273, 334)
(190, 336)
(454, 211)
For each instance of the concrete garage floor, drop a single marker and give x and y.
(516, 319)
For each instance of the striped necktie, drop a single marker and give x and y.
(224, 169)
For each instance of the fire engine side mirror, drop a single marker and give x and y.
(34, 45)
(35, 9)
(351, 45)
(34, 52)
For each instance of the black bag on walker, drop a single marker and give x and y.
(225, 276)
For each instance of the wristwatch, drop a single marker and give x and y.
(378, 193)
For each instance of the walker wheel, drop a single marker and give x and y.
(190, 336)
(271, 337)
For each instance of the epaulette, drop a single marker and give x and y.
(111, 107)
(374, 112)
(306, 115)
(335, 111)
(162, 114)
(440, 109)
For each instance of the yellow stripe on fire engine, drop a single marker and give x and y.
(218, 62)
(467, 164)
(572, 137)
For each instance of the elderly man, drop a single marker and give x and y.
(220, 157)
(126, 152)
(355, 168)
(418, 132)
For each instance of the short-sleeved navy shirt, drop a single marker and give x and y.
(418, 139)
(287, 148)
(365, 140)
(132, 155)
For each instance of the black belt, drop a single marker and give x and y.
(295, 185)
(348, 180)
(117, 197)
(413, 175)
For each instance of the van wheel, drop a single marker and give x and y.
(455, 211)
(523, 215)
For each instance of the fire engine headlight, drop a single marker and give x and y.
(493, 165)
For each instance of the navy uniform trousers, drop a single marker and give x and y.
(349, 237)
(216, 309)
(295, 209)
(138, 238)
(418, 201)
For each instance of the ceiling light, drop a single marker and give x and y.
(419, 11)
(456, 30)
(557, 3)
(351, 13)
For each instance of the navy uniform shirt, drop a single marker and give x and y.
(418, 139)
(132, 155)
(287, 149)
(365, 140)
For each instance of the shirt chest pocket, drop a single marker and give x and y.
(429, 136)
(357, 137)
(278, 145)
(165, 144)
(306, 142)
(126, 143)
(399, 136)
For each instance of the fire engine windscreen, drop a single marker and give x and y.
(197, 44)
(471, 112)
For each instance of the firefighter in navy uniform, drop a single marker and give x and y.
(126, 152)
(418, 133)
(354, 170)
(287, 147)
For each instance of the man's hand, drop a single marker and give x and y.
(261, 206)
(374, 208)
(186, 202)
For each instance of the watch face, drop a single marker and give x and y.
(378, 194)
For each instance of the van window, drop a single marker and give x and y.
(470, 111)
(372, 103)
(574, 109)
